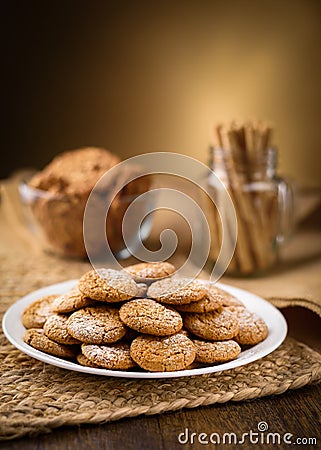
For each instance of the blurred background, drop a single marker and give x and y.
(155, 76)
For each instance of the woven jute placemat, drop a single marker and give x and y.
(36, 397)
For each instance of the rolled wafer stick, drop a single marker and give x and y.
(266, 220)
(256, 149)
(220, 170)
(219, 212)
(249, 138)
(240, 160)
(214, 227)
(243, 249)
(247, 211)
(243, 160)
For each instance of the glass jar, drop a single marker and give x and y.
(264, 207)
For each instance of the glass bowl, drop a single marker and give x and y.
(56, 221)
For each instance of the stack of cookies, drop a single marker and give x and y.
(142, 317)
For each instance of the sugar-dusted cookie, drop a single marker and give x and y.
(163, 354)
(209, 303)
(112, 356)
(176, 291)
(216, 352)
(108, 285)
(227, 298)
(36, 314)
(84, 361)
(36, 338)
(218, 325)
(71, 301)
(148, 316)
(252, 329)
(230, 300)
(236, 309)
(55, 328)
(96, 325)
(149, 272)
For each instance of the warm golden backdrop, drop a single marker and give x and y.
(138, 77)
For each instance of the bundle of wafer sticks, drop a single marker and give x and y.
(239, 153)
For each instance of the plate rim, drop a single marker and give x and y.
(262, 349)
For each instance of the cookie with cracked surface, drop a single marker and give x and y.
(218, 325)
(230, 300)
(113, 356)
(71, 301)
(149, 272)
(209, 303)
(163, 354)
(36, 314)
(84, 361)
(176, 291)
(36, 338)
(194, 365)
(252, 328)
(149, 317)
(108, 285)
(236, 309)
(55, 328)
(96, 325)
(216, 352)
(227, 298)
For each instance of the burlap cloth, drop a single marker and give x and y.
(37, 397)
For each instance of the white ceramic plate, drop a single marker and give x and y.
(14, 331)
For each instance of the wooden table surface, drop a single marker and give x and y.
(297, 412)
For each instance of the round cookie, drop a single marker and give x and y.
(227, 298)
(194, 365)
(149, 317)
(218, 325)
(210, 286)
(149, 272)
(72, 301)
(236, 309)
(84, 361)
(113, 356)
(36, 314)
(96, 325)
(216, 352)
(209, 303)
(176, 291)
(252, 329)
(163, 354)
(36, 338)
(230, 300)
(108, 285)
(55, 328)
